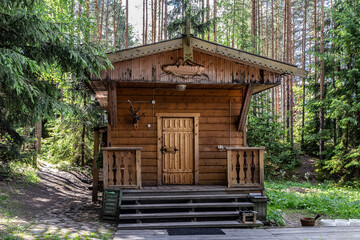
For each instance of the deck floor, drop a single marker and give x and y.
(178, 188)
(313, 233)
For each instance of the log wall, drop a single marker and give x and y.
(214, 126)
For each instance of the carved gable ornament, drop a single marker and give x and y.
(185, 69)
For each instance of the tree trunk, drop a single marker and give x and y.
(233, 24)
(283, 107)
(202, 17)
(146, 20)
(126, 24)
(107, 24)
(101, 21)
(289, 58)
(159, 21)
(97, 20)
(208, 16)
(83, 138)
(38, 129)
(165, 20)
(215, 11)
(253, 25)
(322, 79)
(154, 22)
(315, 43)
(143, 33)
(116, 22)
(303, 66)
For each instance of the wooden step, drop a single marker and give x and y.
(173, 215)
(189, 205)
(182, 197)
(164, 225)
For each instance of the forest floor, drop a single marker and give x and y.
(58, 207)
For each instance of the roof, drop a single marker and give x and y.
(209, 48)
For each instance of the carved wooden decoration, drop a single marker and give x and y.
(185, 69)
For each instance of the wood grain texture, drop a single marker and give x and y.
(219, 69)
(210, 109)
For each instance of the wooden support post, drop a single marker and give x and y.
(95, 188)
(138, 168)
(112, 104)
(244, 111)
(261, 169)
(229, 167)
(187, 44)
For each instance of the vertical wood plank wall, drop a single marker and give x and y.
(219, 70)
(214, 124)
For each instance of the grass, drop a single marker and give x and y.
(18, 175)
(19, 172)
(22, 232)
(326, 199)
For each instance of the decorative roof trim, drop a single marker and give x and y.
(145, 50)
(206, 46)
(246, 57)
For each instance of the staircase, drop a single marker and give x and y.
(149, 209)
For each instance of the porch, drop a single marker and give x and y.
(187, 205)
(245, 171)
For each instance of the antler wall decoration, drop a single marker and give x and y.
(135, 115)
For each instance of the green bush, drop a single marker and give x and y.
(265, 130)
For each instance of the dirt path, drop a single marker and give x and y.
(59, 207)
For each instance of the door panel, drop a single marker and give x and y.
(178, 151)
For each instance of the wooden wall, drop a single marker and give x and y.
(213, 106)
(218, 69)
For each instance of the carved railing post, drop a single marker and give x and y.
(122, 167)
(246, 167)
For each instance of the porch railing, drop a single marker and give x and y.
(122, 167)
(245, 167)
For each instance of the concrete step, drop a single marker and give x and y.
(174, 215)
(188, 205)
(165, 225)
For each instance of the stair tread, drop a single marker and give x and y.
(177, 197)
(187, 205)
(178, 215)
(163, 225)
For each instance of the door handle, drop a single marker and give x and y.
(163, 149)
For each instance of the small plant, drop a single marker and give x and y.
(275, 216)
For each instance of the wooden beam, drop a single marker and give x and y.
(145, 50)
(245, 108)
(95, 188)
(112, 103)
(187, 44)
(248, 58)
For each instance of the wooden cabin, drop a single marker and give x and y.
(177, 114)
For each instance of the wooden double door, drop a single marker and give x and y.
(177, 150)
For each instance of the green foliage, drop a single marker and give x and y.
(64, 143)
(20, 172)
(192, 11)
(275, 215)
(264, 129)
(234, 22)
(340, 159)
(36, 50)
(326, 198)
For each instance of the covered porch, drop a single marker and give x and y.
(245, 170)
